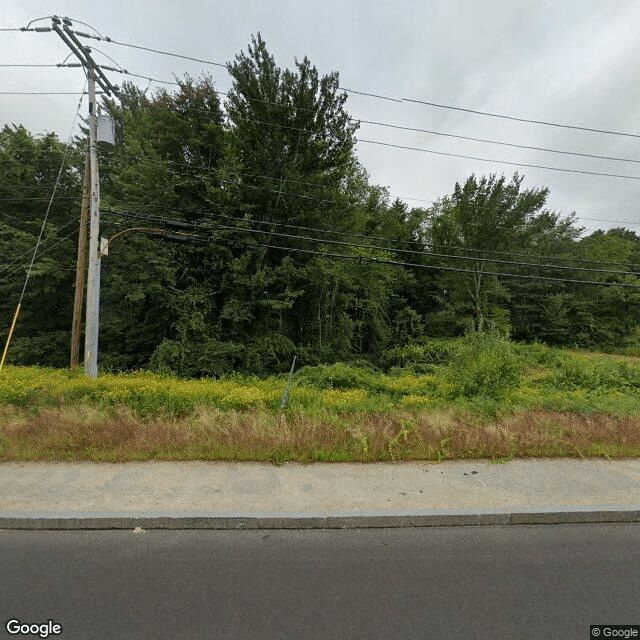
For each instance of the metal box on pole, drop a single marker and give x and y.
(106, 135)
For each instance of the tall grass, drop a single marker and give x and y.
(84, 432)
(481, 375)
(473, 397)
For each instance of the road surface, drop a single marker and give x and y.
(539, 581)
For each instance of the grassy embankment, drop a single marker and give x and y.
(442, 400)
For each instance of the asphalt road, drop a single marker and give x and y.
(545, 581)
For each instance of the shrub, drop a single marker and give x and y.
(577, 374)
(339, 376)
(50, 348)
(209, 358)
(483, 366)
(420, 358)
(541, 354)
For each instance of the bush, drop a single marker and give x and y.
(210, 358)
(420, 357)
(266, 354)
(339, 376)
(540, 354)
(483, 366)
(50, 349)
(576, 374)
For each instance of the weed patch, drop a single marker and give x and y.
(483, 398)
(85, 433)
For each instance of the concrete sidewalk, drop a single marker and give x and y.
(223, 495)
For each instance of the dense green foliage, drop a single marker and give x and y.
(268, 186)
(484, 375)
(28, 171)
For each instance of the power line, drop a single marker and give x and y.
(421, 242)
(137, 75)
(7, 276)
(377, 247)
(514, 164)
(288, 193)
(392, 99)
(28, 251)
(315, 198)
(37, 20)
(371, 95)
(173, 54)
(136, 46)
(46, 216)
(451, 269)
(293, 181)
(391, 196)
(23, 199)
(28, 65)
(455, 155)
(500, 142)
(518, 119)
(616, 221)
(333, 201)
(374, 260)
(396, 240)
(167, 53)
(41, 93)
(470, 157)
(431, 254)
(438, 133)
(193, 168)
(451, 135)
(53, 246)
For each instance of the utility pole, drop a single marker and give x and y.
(81, 264)
(62, 26)
(92, 322)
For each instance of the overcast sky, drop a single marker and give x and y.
(565, 61)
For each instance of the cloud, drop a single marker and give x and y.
(565, 61)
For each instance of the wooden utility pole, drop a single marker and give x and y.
(62, 26)
(76, 327)
(93, 276)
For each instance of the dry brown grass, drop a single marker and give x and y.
(86, 433)
(538, 433)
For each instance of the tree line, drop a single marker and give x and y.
(281, 245)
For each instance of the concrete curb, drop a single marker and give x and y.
(355, 520)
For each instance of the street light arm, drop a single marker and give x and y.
(153, 230)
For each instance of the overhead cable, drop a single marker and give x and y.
(507, 162)
(517, 119)
(350, 90)
(501, 142)
(316, 198)
(53, 193)
(353, 234)
(136, 46)
(428, 131)
(328, 200)
(374, 260)
(19, 267)
(28, 65)
(28, 251)
(390, 98)
(42, 93)
(426, 254)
